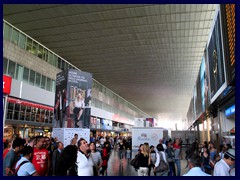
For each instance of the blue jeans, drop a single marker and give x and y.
(178, 164)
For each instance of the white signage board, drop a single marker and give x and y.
(66, 134)
(149, 135)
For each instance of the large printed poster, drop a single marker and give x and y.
(149, 135)
(216, 61)
(73, 99)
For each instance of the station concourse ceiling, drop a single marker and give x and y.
(149, 54)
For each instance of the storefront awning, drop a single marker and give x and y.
(26, 103)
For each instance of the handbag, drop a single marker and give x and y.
(135, 162)
(162, 165)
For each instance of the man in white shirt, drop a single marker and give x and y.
(27, 168)
(194, 163)
(84, 161)
(223, 166)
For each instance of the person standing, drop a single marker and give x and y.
(56, 159)
(194, 163)
(144, 158)
(153, 158)
(170, 153)
(161, 155)
(177, 156)
(121, 149)
(96, 157)
(84, 162)
(223, 166)
(24, 165)
(12, 156)
(105, 157)
(128, 154)
(68, 166)
(41, 160)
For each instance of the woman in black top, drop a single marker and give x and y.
(144, 158)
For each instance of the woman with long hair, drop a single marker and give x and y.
(144, 158)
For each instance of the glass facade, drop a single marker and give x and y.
(21, 73)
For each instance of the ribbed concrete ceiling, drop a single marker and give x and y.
(148, 54)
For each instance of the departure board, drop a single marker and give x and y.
(231, 32)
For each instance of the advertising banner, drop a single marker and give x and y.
(216, 61)
(149, 135)
(66, 134)
(7, 82)
(73, 99)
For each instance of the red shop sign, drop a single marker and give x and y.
(26, 103)
(7, 82)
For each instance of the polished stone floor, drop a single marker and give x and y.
(117, 167)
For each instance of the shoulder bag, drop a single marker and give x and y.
(163, 166)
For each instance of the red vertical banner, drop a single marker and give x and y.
(7, 82)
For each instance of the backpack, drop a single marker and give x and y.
(15, 170)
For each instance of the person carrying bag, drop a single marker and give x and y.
(161, 165)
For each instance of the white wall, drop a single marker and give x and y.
(31, 93)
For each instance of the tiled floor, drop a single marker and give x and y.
(117, 167)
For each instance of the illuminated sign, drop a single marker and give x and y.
(7, 82)
(230, 16)
(229, 111)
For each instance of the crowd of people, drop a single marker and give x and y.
(44, 156)
(202, 160)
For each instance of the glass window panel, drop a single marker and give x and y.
(38, 80)
(33, 114)
(63, 65)
(22, 112)
(45, 54)
(10, 111)
(19, 72)
(59, 62)
(11, 68)
(35, 48)
(31, 77)
(50, 58)
(25, 74)
(43, 83)
(7, 32)
(51, 117)
(5, 63)
(55, 61)
(49, 83)
(37, 112)
(22, 41)
(67, 65)
(28, 113)
(40, 51)
(29, 45)
(15, 35)
(53, 86)
(16, 111)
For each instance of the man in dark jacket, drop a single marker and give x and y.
(56, 159)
